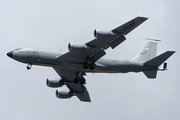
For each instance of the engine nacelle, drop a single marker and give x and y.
(73, 47)
(64, 94)
(54, 82)
(103, 34)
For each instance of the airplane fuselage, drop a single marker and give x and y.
(46, 58)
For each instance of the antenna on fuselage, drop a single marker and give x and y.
(152, 39)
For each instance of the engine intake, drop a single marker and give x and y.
(54, 82)
(103, 34)
(73, 47)
(64, 94)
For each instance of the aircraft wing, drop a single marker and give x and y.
(78, 89)
(91, 51)
(96, 48)
(129, 26)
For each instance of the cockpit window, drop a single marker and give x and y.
(18, 48)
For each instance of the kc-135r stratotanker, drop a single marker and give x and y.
(87, 58)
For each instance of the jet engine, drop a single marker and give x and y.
(64, 94)
(103, 34)
(73, 47)
(54, 82)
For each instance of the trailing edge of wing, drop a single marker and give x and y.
(129, 26)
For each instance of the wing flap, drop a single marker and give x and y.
(116, 41)
(97, 55)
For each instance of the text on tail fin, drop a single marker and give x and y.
(147, 53)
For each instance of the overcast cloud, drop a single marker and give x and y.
(53, 24)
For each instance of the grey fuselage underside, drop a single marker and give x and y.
(46, 58)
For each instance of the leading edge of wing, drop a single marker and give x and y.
(129, 26)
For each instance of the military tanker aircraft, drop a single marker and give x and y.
(87, 58)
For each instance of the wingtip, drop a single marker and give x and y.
(172, 52)
(143, 18)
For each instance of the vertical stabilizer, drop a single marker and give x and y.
(150, 74)
(147, 53)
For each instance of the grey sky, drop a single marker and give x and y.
(53, 24)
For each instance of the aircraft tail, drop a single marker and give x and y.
(147, 53)
(156, 62)
(148, 56)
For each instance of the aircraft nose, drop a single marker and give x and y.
(10, 54)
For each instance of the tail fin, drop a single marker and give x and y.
(147, 53)
(156, 62)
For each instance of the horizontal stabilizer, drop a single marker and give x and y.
(150, 74)
(157, 61)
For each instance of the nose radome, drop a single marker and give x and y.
(10, 54)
